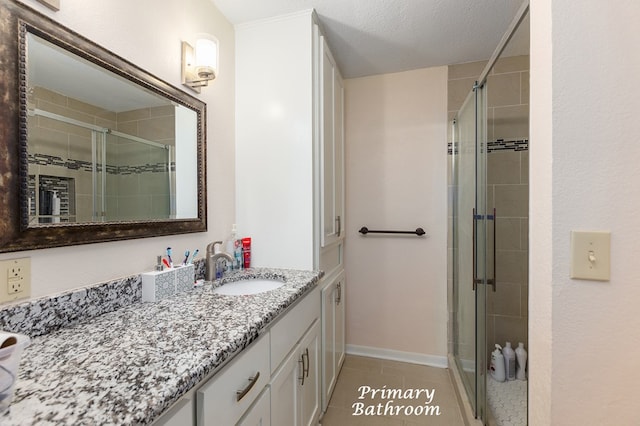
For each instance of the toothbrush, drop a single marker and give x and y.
(169, 256)
(166, 263)
(195, 253)
(186, 257)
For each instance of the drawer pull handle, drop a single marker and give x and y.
(301, 363)
(252, 381)
(305, 366)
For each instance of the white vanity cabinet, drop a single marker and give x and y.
(333, 333)
(295, 387)
(276, 380)
(225, 398)
(295, 383)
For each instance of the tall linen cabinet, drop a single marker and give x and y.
(290, 162)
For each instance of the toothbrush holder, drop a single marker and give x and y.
(158, 285)
(185, 277)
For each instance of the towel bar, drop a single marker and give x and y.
(364, 231)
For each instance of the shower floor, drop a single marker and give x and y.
(508, 402)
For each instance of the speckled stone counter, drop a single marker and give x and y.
(128, 366)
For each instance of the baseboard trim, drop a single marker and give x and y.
(393, 355)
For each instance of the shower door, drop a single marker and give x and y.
(133, 178)
(471, 266)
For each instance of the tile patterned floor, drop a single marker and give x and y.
(508, 402)
(390, 375)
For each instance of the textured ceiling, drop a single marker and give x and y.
(370, 37)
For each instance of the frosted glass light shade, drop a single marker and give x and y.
(206, 58)
(199, 63)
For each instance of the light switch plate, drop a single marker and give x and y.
(591, 255)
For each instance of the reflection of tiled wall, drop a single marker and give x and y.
(142, 195)
(54, 141)
(64, 150)
(508, 189)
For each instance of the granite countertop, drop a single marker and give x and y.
(128, 366)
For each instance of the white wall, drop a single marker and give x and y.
(585, 335)
(149, 35)
(396, 178)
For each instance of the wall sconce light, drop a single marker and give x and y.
(199, 65)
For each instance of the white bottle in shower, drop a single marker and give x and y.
(509, 361)
(497, 364)
(55, 208)
(521, 355)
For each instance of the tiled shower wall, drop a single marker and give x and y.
(52, 142)
(62, 150)
(508, 190)
(140, 190)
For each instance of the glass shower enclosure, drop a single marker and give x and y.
(470, 230)
(490, 192)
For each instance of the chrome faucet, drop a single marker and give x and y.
(212, 259)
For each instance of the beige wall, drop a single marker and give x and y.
(584, 335)
(395, 128)
(150, 36)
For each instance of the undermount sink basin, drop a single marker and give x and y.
(246, 287)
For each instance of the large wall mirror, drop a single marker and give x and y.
(93, 148)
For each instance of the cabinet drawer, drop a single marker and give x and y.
(218, 401)
(288, 330)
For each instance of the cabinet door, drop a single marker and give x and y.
(309, 383)
(284, 391)
(338, 152)
(260, 413)
(339, 324)
(328, 340)
(333, 335)
(332, 151)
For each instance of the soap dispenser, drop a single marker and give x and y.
(231, 243)
(497, 364)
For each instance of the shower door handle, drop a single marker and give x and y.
(492, 281)
(473, 252)
(476, 280)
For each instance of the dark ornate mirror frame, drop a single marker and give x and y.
(15, 21)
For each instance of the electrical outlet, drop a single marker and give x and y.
(15, 279)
